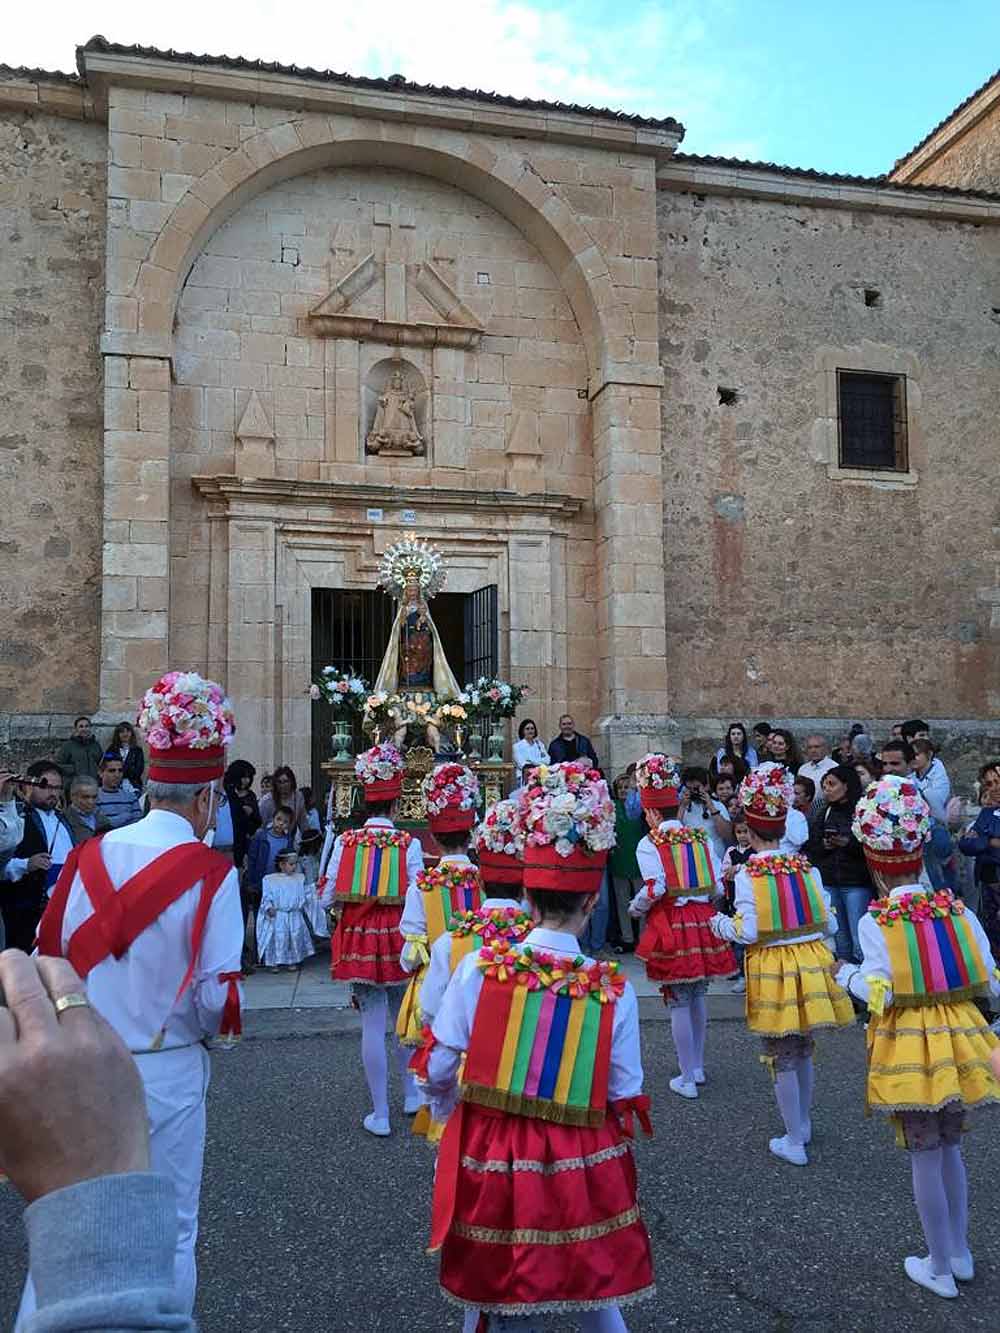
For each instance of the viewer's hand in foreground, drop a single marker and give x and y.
(71, 1103)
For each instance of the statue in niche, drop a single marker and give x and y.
(394, 429)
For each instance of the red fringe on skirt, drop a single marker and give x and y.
(676, 944)
(367, 944)
(544, 1216)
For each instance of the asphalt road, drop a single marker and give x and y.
(308, 1223)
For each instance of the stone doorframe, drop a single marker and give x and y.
(520, 162)
(271, 545)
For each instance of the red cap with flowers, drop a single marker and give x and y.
(766, 795)
(187, 722)
(380, 770)
(892, 821)
(569, 824)
(451, 793)
(658, 779)
(499, 843)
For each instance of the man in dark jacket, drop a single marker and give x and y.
(81, 755)
(569, 744)
(33, 867)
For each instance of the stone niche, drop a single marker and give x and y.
(395, 410)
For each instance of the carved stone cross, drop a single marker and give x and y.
(389, 220)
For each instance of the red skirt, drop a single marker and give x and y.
(677, 946)
(544, 1216)
(367, 944)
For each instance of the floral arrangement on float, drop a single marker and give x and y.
(382, 763)
(341, 689)
(492, 697)
(185, 711)
(767, 792)
(450, 787)
(449, 712)
(566, 807)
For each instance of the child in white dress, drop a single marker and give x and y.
(283, 938)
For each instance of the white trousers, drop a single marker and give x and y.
(176, 1084)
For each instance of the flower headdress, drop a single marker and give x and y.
(411, 559)
(380, 770)
(569, 824)
(766, 795)
(892, 820)
(499, 842)
(658, 779)
(187, 722)
(451, 792)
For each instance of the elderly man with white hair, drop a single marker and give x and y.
(818, 760)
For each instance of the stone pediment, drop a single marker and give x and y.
(458, 326)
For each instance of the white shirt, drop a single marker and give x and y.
(875, 952)
(746, 908)
(438, 974)
(453, 1025)
(414, 920)
(651, 866)
(58, 844)
(815, 771)
(136, 992)
(333, 851)
(700, 816)
(796, 833)
(935, 788)
(529, 752)
(11, 825)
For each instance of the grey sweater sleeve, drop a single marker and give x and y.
(102, 1257)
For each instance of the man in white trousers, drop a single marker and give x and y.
(150, 917)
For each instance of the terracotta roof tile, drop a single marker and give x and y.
(396, 83)
(942, 123)
(829, 177)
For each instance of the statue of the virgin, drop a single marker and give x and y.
(414, 663)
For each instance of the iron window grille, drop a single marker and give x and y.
(871, 412)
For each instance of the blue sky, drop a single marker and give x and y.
(842, 86)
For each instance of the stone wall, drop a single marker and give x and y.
(972, 162)
(52, 227)
(793, 590)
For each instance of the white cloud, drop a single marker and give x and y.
(655, 58)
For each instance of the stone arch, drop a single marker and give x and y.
(490, 172)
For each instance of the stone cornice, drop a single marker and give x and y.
(54, 95)
(103, 70)
(275, 492)
(922, 201)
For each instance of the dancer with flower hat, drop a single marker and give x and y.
(535, 1206)
(453, 886)
(499, 842)
(925, 958)
(150, 917)
(783, 916)
(680, 951)
(366, 873)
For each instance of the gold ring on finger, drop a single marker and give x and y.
(75, 1000)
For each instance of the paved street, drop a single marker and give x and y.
(310, 1224)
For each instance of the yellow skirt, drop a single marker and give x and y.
(790, 989)
(922, 1057)
(409, 1021)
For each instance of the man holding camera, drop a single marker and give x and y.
(700, 809)
(33, 867)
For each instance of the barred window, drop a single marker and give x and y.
(872, 418)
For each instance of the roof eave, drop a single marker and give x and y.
(103, 70)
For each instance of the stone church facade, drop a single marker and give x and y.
(635, 380)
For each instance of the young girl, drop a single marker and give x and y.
(737, 855)
(679, 877)
(535, 1206)
(368, 872)
(925, 958)
(283, 938)
(453, 886)
(783, 916)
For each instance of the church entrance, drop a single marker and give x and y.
(350, 630)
